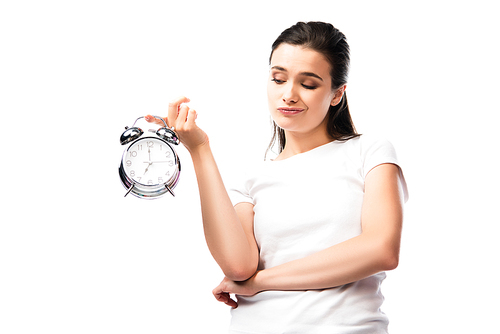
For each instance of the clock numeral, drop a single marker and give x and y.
(132, 173)
(128, 163)
(139, 147)
(167, 154)
(171, 163)
(150, 144)
(133, 153)
(150, 182)
(160, 179)
(167, 173)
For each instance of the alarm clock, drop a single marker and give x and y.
(150, 166)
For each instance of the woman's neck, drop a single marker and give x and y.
(297, 143)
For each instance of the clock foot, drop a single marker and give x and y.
(129, 190)
(170, 190)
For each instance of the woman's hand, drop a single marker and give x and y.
(226, 287)
(183, 119)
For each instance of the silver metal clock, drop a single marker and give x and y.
(150, 167)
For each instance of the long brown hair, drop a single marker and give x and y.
(332, 44)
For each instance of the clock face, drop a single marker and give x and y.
(149, 161)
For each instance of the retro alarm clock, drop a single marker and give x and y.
(150, 166)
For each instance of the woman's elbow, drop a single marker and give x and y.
(239, 274)
(389, 258)
(241, 270)
(391, 262)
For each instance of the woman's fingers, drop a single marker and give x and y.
(155, 120)
(173, 109)
(191, 117)
(225, 298)
(181, 118)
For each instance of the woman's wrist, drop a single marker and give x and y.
(200, 151)
(258, 281)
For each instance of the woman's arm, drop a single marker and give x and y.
(228, 231)
(375, 249)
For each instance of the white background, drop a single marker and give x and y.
(78, 257)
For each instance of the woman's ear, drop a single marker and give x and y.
(338, 95)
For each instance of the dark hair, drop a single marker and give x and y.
(331, 43)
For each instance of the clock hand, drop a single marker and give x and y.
(149, 164)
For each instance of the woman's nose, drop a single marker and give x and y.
(290, 94)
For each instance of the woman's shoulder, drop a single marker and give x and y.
(368, 144)
(369, 139)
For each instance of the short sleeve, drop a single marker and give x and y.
(377, 151)
(239, 195)
(239, 182)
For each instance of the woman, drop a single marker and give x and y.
(305, 240)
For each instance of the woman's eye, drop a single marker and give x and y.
(308, 87)
(278, 81)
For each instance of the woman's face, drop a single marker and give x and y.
(299, 90)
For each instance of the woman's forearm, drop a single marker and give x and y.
(347, 262)
(350, 261)
(224, 232)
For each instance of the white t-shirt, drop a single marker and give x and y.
(302, 205)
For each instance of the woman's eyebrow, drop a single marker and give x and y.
(308, 74)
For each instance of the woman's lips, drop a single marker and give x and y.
(290, 111)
